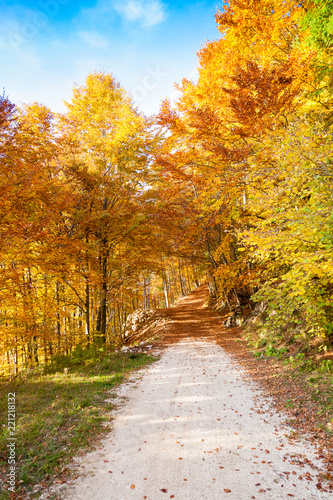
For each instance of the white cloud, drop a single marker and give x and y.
(17, 49)
(94, 39)
(146, 12)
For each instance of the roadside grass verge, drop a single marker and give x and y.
(59, 413)
(299, 383)
(304, 368)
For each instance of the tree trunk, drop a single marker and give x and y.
(87, 311)
(101, 319)
(165, 288)
(58, 323)
(87, 298)
(145, 293)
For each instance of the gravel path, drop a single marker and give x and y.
(192, 426)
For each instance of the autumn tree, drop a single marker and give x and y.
(30, 192)
(248, 145)
(105, 156)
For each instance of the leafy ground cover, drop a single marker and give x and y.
(306, 369)
(60, 412)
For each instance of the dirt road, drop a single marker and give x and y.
(192, 426)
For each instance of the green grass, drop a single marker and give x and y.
(57, 414)
(300, 367)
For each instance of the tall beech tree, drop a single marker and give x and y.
(105, 154)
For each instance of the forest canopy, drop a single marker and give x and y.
(104, 210)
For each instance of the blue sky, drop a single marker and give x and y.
(48, 46)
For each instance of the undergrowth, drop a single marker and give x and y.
(303, 362)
